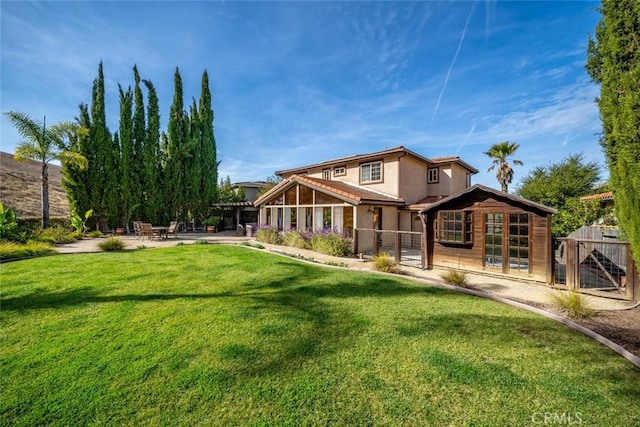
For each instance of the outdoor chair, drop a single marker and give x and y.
(137, 229)
(146, 230)
(174, 227)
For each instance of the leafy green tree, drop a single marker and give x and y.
(560, 185)
(613, 61)
(575, 214)
(500, 153)
(271, 181)
(75, 181)
(44, 145)
(552, 185)
(227, 194)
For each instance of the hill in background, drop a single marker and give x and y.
(20, 187)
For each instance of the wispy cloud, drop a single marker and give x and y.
(453, 62)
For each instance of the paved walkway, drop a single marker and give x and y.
(519, 290)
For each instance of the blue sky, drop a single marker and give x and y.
(295, 83)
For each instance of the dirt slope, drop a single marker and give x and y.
(20, 188)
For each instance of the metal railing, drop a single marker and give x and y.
(405, 246)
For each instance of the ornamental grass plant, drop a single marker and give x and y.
(572, 304)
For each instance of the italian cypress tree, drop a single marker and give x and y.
(138, 138)
(126, 156)
(74, 178)
(613, 61)
(208, 185)
(112, 204)
(100, 139)
(175, 171)
(153, 184)
(193, 164)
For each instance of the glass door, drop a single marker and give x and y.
(493, 240)
(519, 242)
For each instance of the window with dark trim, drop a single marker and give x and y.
(371, 172)
(455, 227)
(340, 171)
(433, 175)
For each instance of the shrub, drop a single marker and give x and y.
(95, 234)
(111, 244)
(201, 242)
(34, 223)
(296, 239)
(56, 234)
(572, 304)
(12, 250)
(269, 235)
(331, 244)
(8, 224)
(383, 262)
(454, 277)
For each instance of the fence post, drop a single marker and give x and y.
(632, 276)
(571, 274)
(355, 241)
(375, 242)
(398, 248)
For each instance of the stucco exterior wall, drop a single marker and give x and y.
(412, 183)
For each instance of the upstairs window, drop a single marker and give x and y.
(326, 174)
(433, 175)
(341, 171)
(455, 227)
(371, 172)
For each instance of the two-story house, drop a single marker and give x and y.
(397, 190)
(380, 190)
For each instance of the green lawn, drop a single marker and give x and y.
(208, 334)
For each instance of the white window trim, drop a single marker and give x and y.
(437, 177)
(370, 164)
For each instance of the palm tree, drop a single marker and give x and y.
(499, 153)
(44, 145)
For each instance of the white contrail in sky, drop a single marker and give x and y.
(466, 138)
(455, 57)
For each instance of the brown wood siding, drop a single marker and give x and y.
(471, 256)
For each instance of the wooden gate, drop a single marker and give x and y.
(600, 267)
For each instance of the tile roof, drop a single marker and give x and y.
(608, 195)
(454, 159)
(347, 192)
(356, 157)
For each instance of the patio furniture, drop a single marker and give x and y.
(159, 231)
(146, 230)
(174, 227)
(137, 229)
